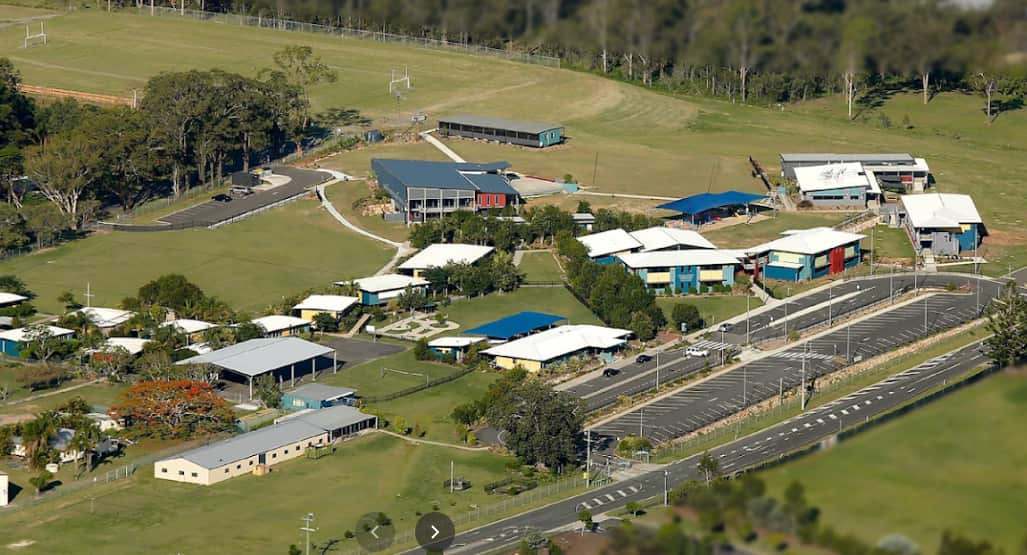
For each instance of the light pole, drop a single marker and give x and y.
(588, 458)
(306, 528)
(722, 345)
(641, 416)
(788, 296)
(665, 500)
(830, 304)
(848, 344)
(802, 386)
(745, 385)
(925, 316)
(873, 251)
(891, 286)
(747, 295)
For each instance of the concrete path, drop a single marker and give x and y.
(763, 295)
(402, 249)
(435, 443)
(427, 136)
(623, 195)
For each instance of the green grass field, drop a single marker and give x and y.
(369, 380)
(761, 231)
(540, 266)
(891, 244)
(260, 514)
(956, 463)
(249, 264)
(713, 308)
(342, 195)
(431, 408)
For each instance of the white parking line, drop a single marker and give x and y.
(610, 497)
(820, 420)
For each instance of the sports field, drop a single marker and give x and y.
(249, 264)
(540, 266)
(474, 312)
(262, 514)
(957, 463)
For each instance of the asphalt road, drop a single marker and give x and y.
(212, 212)
(854, 296)
(794, 434)
(695, 407)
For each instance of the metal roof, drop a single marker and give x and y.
(455, 341)
(559, 342)
(259, 356)
(277, 322)
(10, 298)
(940, 210)
(609, 242)
(438, 255)
(398, 175)
(252, 444)
(827, 177)
(320, 392)
(185, 325)
(336, 303)
(516, 324)
(105, 317)
(660, 238)
(679, 259)
(335, 417)
(808, 241)
(386, 282)
(706, 201)
(519, 126)
(831, 158)
(21, 334)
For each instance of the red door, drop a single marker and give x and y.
(837, 260)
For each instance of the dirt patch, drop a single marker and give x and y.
(576, 543)
(20, 544)
(6, 419)
(1003, 238)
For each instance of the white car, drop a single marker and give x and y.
(697, 352)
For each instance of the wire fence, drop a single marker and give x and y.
(347, 32)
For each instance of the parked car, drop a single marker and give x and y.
(221, 198)
(610, 372)
(697, 352)
(725, 327)
(240, 191)
(642, 359)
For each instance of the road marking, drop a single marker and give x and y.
(855, 407)
(597, 501)
(845, 412)
(586, 505)
(867, 402)
(820, 420)
(622, 494)
(808, 425)
(795, 429)
(633, 489)
(879, 397)
(610, 497)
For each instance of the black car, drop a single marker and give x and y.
(610, 372)
(221, 198)
(642, 359)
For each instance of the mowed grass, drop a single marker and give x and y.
(259, 514)
(713, 309)
(890, 244)
(474, 312)
(431, 408)
(98, 394)
(342, 195)
(770, 228)
(540, 266)
(249, 264)
(370, 380)
(957, 463)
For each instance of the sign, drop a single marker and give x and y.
(370, 329)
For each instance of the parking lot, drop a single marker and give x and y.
(213, 212)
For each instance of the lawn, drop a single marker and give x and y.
(474, 312)
(891, 244)
(343, 194)
(957, 464)
(369, 380)
(249, 264)
(540, 266)
(431, 408)
(713, 309)
(260, 514)
(770, 228)
(99, 394)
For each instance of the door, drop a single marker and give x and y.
(262, 458)
(837, 260)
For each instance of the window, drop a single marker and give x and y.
(194, 474)
(274, 455)
(251, 463)
(164, 470)
(226, 471)
(239, 466)
(286, 450)
(297, 447)
(181, 473)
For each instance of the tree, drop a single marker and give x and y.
(10, 283)
(170, 291)
(244, 331)
(267, 391)
(955, 544)
(12, 229)
(898, 544)
(505, 274)
(300, 69)
(172, 409)
(35, 435)
(326, 323)
(421, 350)
(1007, 320)
(411, 299)
(585, 518)
(542, 425)
(87, 436)
(642, 325)
(67, 299)
(633, 507)
(45, 222)
(40, 481)
(41, 344)
(64, 170)
(688, 314)
(39, 376)
(709, 467)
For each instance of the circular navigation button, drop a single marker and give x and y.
(375, 532)
(435, 532)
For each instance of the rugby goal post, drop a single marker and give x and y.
(33, 39)
(397, 84)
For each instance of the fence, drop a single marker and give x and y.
(299, 26)
(416, 388)
(527, 498)
(89, 98)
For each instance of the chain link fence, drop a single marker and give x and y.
(347, 32)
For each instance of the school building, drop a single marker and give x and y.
(806, 254)
(556, 345)
(684, 271)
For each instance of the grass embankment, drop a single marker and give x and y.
(954, 464)
(714, 309)
(540, 266)
(249, 264)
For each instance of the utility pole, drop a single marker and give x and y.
(891, 286)
(641, 413)
(588, 458)
(723, 350)
(830, 304)
(848, 344)
(925, 317)
(745, 384)
(452, 468)
(873, 251)
(748, 294)
(802, 404)
(595, 169)
(306, 528)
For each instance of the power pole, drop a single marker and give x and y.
(848, 344)
(641, 416)
(830, 304)
(588, 458)
(925, 317)
(452, 469)
(745, 384)
(306, 528)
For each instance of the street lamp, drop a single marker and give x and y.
(665, 500)
(747, 296)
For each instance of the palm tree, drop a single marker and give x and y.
(36, 436)
(87, 435)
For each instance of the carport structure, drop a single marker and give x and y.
(276, 356)
(706, 206)
(516, 325)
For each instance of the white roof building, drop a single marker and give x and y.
(327, 303)
(11, 298)
(846, 175)
(455, 342)
(559, 342)
(189, 327)
(133, 345)
(660, 238)
(441, 254)
(940, 210)
(609, 242)
(679, 259)
(387, 282)
(808, 241)
(277, 323)
(105, 317)
(25, 334)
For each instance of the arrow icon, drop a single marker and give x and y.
(373, 530)
(436, 530)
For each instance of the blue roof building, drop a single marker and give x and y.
(707, 206)
(423, 189)
(516, 325)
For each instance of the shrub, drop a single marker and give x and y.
(793, 336)
(805, 204)
(348, 535)
(631, 444)
(568, 178)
